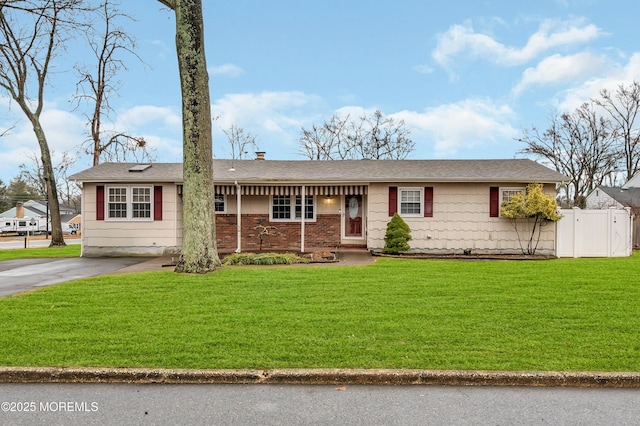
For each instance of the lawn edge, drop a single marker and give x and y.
(319, 377)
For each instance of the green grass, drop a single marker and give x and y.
(556, 315)
(70, 250)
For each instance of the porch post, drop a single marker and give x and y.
(302, 215)
(238, 217)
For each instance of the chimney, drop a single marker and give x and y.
(19, 209)
(260, 155)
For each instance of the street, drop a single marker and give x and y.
(32, 242)
(75, 404)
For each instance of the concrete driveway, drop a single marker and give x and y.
(26, 274)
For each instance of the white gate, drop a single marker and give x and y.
(595, 233)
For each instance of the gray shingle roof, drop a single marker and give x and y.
(336, 171)
(628, 197)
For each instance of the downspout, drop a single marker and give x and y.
(83, 208)
(238, 217)
(303, 201)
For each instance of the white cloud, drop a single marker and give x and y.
(423, 69)
(161, 127)
(230, 70)
(275, 117)
(572, 98)
(465, 124)
(64, 131)
(462, 40)
(148, 115)
(560, 69)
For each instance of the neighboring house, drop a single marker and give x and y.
(33, 209)
(451, 205)
(32, 216)
(604, 197)
(627, 195)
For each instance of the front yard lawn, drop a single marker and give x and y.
(557, 315)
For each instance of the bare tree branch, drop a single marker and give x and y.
(98, 83)
(171, 4)
(373, 137)
(31, 33)
(240, 141)
(579, 145)
(623, 107)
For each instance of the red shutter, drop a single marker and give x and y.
(393, 200)
(494, 201)
(157, 203)
(428, 201)
(100, 202)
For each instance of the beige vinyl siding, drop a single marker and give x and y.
(460, 221)
(128, 237)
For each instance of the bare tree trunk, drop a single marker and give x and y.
(25, 55)
(199, 249)
(57, 238)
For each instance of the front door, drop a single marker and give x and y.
(353, 216)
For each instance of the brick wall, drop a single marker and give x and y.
(323, 233)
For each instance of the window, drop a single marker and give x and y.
(220, 206)
(141, 203)
(281, 208)
(498, 196)
(117, 203)
(411, 201)
(507, 193)
(308, 208)
(129, 203)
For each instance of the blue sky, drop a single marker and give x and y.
(465, 76)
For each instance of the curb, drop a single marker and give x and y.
(318, 377)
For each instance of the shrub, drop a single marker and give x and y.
(533, 207)
(263, 259)
(397, 237)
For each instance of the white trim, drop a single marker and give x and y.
(302, 215)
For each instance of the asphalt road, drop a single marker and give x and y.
(18, 243)
(26, 274)
(111, 404)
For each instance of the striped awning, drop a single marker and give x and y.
(292, 190)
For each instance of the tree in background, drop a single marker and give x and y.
(593, 144)
(623, 106)
(240, 142)
(5, 202)
(17, 190)
(199, 249)
(31, 33)
(533, 207)
(580, 145)
(33, 175)
(374, 137)
(98, 83)
(397, 236)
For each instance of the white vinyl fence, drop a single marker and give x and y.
(595, 233)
